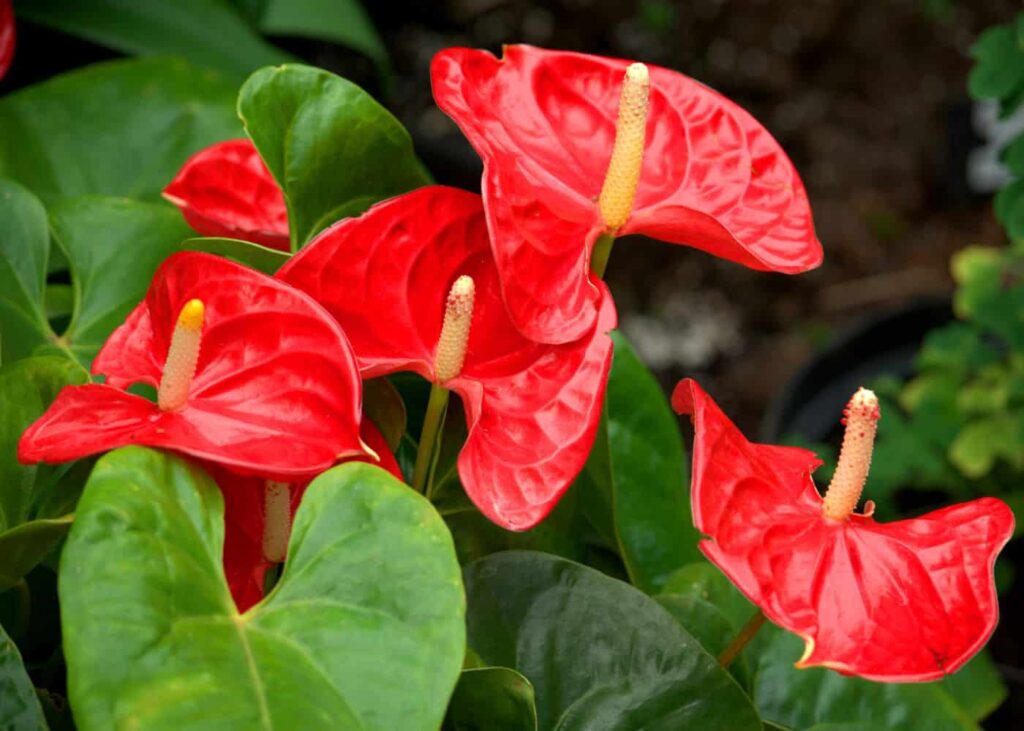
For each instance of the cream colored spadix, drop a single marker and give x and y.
(277, 520)
(182, 357)
(458, 316)
(861, 420)
(619, 189)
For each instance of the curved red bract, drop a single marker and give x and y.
(226, 190)
(276, 391)
(907, 601)
(8, 36)
(245, 565)
(544, 123)
(532, 409)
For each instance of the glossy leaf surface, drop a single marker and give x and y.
(493, 698)
(532, 410)
(276, 391)
(19, 707)
(364, 629)
(544, 123)
(24, 253)
(135, 123)
(600, 654)
(226, 191)
(911, 600)
(27, 387)
(206, 32)
(113, 246)
(333, 150)
(642, 474)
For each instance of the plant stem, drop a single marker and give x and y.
(741, 639)
(22, 608)
(602, 250)
(430, 436)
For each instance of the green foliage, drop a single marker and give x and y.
(29, 526)
(19, 707)
(223, 35)
(364, 630)
(636, 479)
(599, 653)
(332, 148)
(491, 699)
(121, 128)
(206, 32)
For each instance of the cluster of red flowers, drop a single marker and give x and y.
(499, 298)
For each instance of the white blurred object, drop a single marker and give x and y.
(985, 171)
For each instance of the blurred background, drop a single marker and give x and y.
(902, 117)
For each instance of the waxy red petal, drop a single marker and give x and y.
(244, 519)
(544, 124)
(276, 390)
(226, 190)
(532, 409)
(8, 36)
(906, 601)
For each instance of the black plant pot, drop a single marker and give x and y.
(885, 345)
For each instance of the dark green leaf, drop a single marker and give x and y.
(23, 547)
(342, 21)
(641, 469)
(331, 147)
(803, 698)
(206, 32)
(364, 629)
(19, 707)
(254, 256)
(600, 654)
(120, 128)
(977, 687)
(491, 699)
(709, 626)
(26, 389)
(113, 246)
(24, 250)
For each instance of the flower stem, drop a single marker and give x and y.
(430, 436)
(741, 639)
(602, 251)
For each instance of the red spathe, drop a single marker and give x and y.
(276, 390)
(907, 601)
(226, 190)
(532, 409)
(544, 124)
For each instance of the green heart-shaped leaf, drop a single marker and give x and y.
(364, 629)
(19, 706)
(28, 532)
(121, 128)
(333, 149)
(24, 254)
(636, 478)
(599, 653)
(491, 699)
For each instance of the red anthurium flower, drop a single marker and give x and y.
(251, 374)
(226, 190)
(579, 147)
(911, 600)
(414, 284)
(258, 515)
(7, 36)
